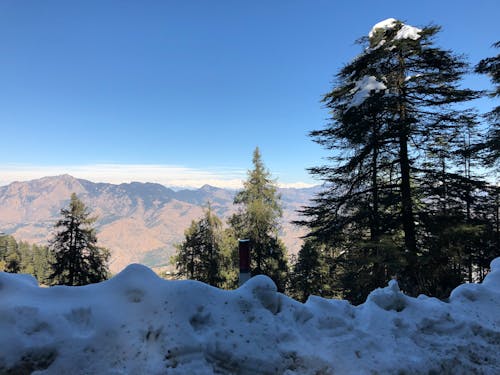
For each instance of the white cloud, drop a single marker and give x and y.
(296, 185)
(168, 175)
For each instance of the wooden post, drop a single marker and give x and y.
(244, 250)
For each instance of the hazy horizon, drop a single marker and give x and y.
(169, 176)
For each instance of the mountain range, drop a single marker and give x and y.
(139, 222)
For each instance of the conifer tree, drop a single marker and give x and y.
(230, 260)
(310, 273)
(491, 66)
(42, 260)
(10, 258)
(77, 258)
(389, 103)
(201, 255)
(258, 219)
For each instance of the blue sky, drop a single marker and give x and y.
(181, 92)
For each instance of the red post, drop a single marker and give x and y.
(244, 250)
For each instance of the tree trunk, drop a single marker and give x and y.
(375, 220)
(406, 196)
(406, 201)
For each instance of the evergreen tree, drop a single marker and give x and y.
(389, 104)
(230, 260)
(491, 66)
(201, 255)
(449, 191)
(487, 216)
(26, 254)
(10, 258)
(258, 219)
(77, 258)
(22, 257)
(42, 260)
(310, 273)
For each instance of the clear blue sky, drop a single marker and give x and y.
(129, 86)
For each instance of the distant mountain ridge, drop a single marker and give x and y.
(138, 222)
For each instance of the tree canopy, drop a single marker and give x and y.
(77, 258)
(202, 256)
(258, 220)
(399, 192)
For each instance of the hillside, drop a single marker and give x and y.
(138, 222)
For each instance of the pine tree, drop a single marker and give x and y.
(10, 257)
(201, 255)
(389, 103)
(258, 220)
(449, 190)
(230, 260)
(22, 257)
(77, 258)
(42, 260)
(491, 66)
(357, 209)
(310, 273)
(26, 254)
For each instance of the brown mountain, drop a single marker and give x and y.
(138, 222)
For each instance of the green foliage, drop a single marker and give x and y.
(400, 197)
(311, 272)
(258, 219)
(10, 257)
(491, 143)
(42, 260)
(77, 258)
(230, 260)
(203, 254)
(21, 257)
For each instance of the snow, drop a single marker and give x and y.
(387, 24)
(411, 77)
(408, 32)
(137, 323)
(405, 32)
(363, 88)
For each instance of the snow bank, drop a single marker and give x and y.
(137, 323)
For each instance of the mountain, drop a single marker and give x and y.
(138, 222)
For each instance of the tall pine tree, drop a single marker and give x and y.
(311, 272)
(491, 66)
(77, 258)
(258, 219)
(389, 103)
(200, 256)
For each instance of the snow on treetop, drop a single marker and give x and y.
(406, 31)
(385, 24)
(363, 88)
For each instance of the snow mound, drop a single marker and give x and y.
(137, 323)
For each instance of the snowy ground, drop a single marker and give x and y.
(137, 323)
